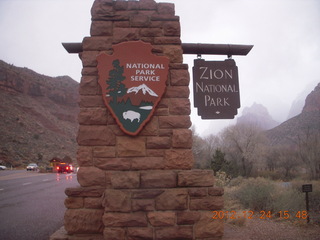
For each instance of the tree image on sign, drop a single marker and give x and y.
(131, 106)
(115, 86)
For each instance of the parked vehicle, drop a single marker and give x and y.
(32, 167)
(3, 167)
(64, 167)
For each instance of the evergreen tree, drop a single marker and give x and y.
(116, 87)
(218, 161)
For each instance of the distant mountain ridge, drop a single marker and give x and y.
(38, 116)
(258, 115)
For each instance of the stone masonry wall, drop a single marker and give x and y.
(139, 187)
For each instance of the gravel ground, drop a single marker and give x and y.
(257, 229)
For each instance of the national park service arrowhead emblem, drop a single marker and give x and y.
(132, 81)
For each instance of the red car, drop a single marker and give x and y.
(64, 167)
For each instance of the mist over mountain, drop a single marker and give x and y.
(298, 104)
(258, 115)
(307, 121)
(38, 116)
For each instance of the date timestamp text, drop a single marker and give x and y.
(259, 214)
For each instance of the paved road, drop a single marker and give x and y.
(32, 204)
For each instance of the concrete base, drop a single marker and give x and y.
(61, 234)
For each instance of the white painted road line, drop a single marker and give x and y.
(27, 183)
(1, 189)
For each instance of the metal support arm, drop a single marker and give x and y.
(189, 48)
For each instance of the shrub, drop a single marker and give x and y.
(256, 194)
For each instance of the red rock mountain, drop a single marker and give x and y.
(38, 116)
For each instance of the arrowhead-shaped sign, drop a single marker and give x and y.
(132, 81)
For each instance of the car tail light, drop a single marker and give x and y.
(67, 168)
(70, 167)
(58, 168)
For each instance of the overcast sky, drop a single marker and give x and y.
(284, 61)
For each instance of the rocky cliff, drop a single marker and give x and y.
(307, 120)
(38, 116)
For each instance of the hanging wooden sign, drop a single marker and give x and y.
(216, 89)
(132, 81)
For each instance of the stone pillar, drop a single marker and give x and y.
(140, 187)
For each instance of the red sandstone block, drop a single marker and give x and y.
(120, 5)
(131, 146)
(140, 21)
(198, 192)
(142, 205)
(90, 202)
(85, 191)
(196, 178)
(179, 77)
(188, 217)
(166, 8)
(216, 191)
(172, 199)
(173, 52)
(125, 179)
(177, 92)
(207, 203)
(151, 32)
(125, 34)
(101, 9)
(181, 121)
(171, 233)
(97, 43)
(91, 176)
(104, 152)
(114, 233)
(167, 40)
(158, 179)
(139, 233)
(158, 142)
(146, 193)
(178, 159)
(112, 163)
(171, 28)
(73, 202)
(151, 129)
(81, 221)
(156, 153)
(89, 58)
(116, 201)
(148, 163)
(89, 101)
(89, 71)
(180, 106)
(147, 5)
(101, 28)
(84, 156)
(162, 219)
(135, 219)
(89, 86)
(95, 135)
(93, 116)
(182, 138)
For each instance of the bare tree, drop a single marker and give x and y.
(244, 144)
(309, 151)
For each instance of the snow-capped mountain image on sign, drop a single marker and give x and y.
(144, 88)
(132, 81)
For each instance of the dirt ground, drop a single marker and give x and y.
(257, 229)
